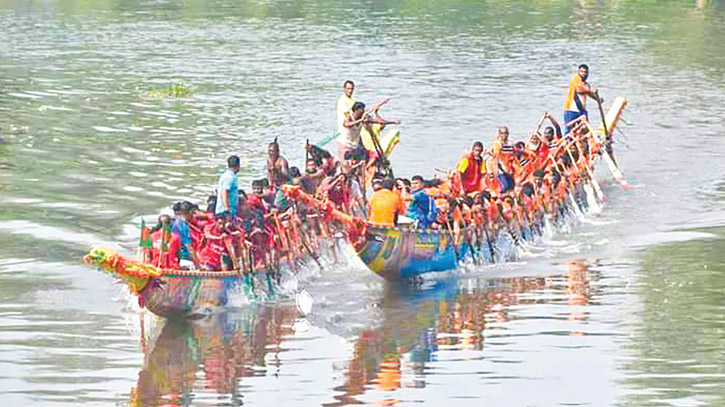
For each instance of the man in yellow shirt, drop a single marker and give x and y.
(385, 205)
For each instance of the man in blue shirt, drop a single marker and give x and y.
(180, 226)
(422, 207)
(228, 188)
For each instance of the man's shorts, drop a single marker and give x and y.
(570, 115)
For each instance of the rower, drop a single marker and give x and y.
(166, 246)
(499, 165)
(336, 189)
(323, 159)
(402, 188)
(277, 167)
(422, 207)
(211, 255)
(180, 226)
(575, 104)
(312, 178)
(385, 205)
(472, 169)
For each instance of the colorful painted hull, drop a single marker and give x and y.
(194, 297)
(401, 253)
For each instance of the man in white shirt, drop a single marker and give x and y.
(344, 108)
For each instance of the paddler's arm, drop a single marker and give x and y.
(349, 122)
(553, 121)
(375, 107)
(589, 90)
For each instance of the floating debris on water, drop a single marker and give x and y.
(172, 90)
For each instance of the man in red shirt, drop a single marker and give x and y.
(472, 169)
(210, 257)
(166, 245)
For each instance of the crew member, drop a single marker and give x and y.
(349, 137)
(422, 207)
(277, 167)
(575, 104)
(214, 234)
(472, 169)
(385, 205)
(166, 246)
(180, 226)
(228, 188)
(344, 103)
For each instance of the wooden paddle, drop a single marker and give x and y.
(490, 242)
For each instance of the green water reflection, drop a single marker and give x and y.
(678, 347)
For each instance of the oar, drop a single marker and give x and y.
(587, 186)
(303, 238)
(606, 132)
(474, 251)
(514, 236)
(489, 241)
(379, 149)
(616, 173)
(601, 115)
(595, 183)
(577, 210)
(453, 240)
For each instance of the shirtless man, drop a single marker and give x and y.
(277, 166)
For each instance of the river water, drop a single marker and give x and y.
(627, 308)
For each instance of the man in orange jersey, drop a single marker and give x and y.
(575, 104)
(385, 205)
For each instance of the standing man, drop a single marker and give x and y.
(277, 167)
(344, 103)
(575, 104)
(228, 188)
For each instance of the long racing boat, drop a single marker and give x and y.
(394, 253)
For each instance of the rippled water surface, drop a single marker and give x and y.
(627, 308)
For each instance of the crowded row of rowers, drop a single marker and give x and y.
(237, 222)
(503, 185)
